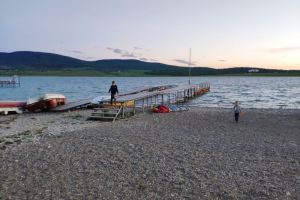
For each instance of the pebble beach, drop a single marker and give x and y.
(196, 154)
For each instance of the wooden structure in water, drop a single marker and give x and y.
(148, 99)
(13, 82)
(108, 113)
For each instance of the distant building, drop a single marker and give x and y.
(253, 70)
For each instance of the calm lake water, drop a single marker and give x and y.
(252, 92)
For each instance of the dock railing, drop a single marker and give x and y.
(179, 94)
(148, 99)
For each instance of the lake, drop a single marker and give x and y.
(252, 92)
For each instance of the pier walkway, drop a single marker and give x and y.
(167, 96)
(148, 98)
(142, 98)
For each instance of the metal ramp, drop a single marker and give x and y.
(73, 105)
(109, 114)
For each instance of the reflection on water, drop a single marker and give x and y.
(252, 92)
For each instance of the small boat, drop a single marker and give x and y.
(12, 106)
(46, 102)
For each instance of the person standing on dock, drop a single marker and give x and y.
(113, 90)
(237, 110)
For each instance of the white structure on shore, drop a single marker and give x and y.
(253, 70)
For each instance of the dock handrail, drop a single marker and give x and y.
(147, 94)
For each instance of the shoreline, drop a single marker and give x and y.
(149, 75)
(34, 125)
(201, 153)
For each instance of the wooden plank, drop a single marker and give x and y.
(106, 113)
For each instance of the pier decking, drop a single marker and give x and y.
(143, 97)
(168, 96)
(149, 98)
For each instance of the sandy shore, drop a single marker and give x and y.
(199, 154)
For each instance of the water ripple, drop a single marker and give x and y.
(252, 92)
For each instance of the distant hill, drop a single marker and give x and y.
(26, 60)
(40, 61)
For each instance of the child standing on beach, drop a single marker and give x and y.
(237, 111)
(113, 91)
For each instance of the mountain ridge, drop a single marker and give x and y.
(42, 61)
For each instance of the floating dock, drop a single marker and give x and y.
(150, 97)
(12, 82)
(170, 95)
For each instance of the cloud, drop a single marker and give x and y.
(74, 51)
(143, 59)
(283, 49)
(137, 48)
(130, 55)
(115, 50)
(153, 60)
(123, 53)
(183, 62)
(222, 60)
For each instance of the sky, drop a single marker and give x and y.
(220, 33)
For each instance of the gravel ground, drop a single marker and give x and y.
(199, 154)
(50, 123)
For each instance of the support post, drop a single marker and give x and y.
(148, 102)
(143, 105)
(123, 114)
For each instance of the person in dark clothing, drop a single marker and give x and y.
(113, 90)
(237, 111)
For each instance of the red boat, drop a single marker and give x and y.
(47, 102)
(12, 106)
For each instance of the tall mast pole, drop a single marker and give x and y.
(190, 67)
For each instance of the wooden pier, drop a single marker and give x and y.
(12, 82)
(178, 94)
(150, 98)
